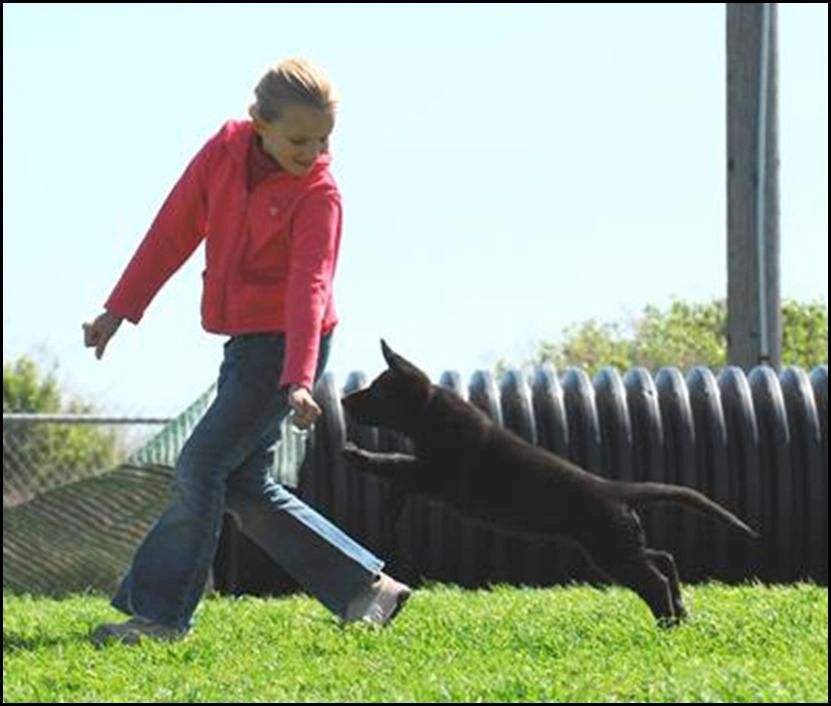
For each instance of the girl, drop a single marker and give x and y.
(261, 196)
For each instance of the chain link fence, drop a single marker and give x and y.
(44, 451)
(80, 491)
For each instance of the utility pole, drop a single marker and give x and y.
(754, 319)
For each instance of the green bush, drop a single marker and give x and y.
(683, 335)
(39, 455)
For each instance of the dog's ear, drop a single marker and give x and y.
(395, 361)
(389, 353)
(398, 364)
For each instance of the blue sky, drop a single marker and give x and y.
(505, 171)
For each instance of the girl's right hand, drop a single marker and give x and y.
(99, 332)
(305, 409)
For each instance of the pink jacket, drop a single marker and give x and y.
(270, 255)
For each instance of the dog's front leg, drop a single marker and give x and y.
(405, 474)
(387, 465)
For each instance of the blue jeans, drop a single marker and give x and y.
(224, 467)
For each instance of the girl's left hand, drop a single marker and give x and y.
(305, 409)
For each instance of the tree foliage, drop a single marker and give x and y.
(683, 335)
(36, 456)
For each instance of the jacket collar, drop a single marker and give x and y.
(236, 136)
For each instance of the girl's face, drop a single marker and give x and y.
(297, 138)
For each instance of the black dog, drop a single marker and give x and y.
(464, 459)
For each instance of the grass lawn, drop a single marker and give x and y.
(749, 643)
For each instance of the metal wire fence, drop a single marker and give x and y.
(44, 451)
(80, 491)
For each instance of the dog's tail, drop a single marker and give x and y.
(640, 494)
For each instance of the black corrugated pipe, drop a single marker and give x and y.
(757, 443)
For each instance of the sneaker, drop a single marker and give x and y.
(380, 603)
(132, 632)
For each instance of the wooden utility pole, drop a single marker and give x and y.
(754, 319)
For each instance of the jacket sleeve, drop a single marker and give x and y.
(173, 236)
(315, 241)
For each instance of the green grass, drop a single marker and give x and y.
(749, 643)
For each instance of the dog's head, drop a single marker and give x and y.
(395, 398)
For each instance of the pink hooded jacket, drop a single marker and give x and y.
(270, 254)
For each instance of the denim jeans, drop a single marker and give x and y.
(224, 467)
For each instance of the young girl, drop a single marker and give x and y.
(261, 196)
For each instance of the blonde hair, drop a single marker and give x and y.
(293, 81)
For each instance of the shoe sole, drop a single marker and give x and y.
(115, 634)
(104, 637)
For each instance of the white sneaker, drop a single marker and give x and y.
(380, 603)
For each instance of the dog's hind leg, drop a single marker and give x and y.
(637, 572)
(666, 565)
(618, 550)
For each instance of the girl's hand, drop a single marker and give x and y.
(305, 409)
(99, 332)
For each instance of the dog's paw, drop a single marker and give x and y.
(668, 622)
